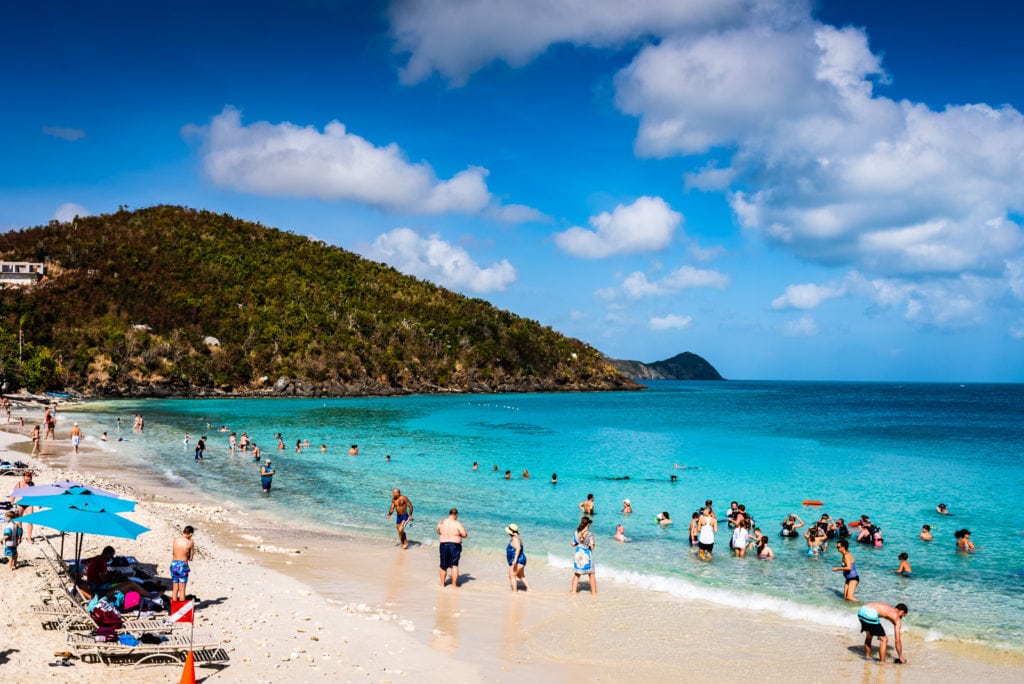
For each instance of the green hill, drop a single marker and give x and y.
(685, 366)
(168, 300)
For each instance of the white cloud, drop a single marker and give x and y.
(68, 211)
(455, 39)
(515, 213)
(946, 303)
(710, 178)
(806, 296)
(69, 134)
(637, 286)
(704, 253)
(1015, 277)
(805, 326)
(301, 161)
(1017, 332)
(687, 277)
(834, 173)
(441, 262)
(669, 322)
(646, 225)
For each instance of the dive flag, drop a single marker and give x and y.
(182, 611)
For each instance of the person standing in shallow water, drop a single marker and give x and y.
(516, 557)
(402, 508)
(707, 526)
(583, 556)
(451, 533)
(849, 570)
(266, 476)
(587, 506)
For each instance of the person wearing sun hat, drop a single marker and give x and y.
(266, 476)
(516, 557)
(627, 507)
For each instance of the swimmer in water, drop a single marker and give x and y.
(620, 534)
(664, 518)
(904, 568)
(963, 541)
(926, 533)
(942, 510)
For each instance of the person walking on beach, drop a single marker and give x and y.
(516, 557)
(583, 555)
(50, 421)
(707, 526)
(849, 570)
(266, 476)
(402, 508)
(451, 533)
(181, 553)
(12, 537)
(35, 441)
(76, 436)
(870, 616)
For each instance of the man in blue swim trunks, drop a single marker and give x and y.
(402, 507)
(451, 533)
(870, 616)
(182, 553)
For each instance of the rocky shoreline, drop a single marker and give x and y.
(297, 387)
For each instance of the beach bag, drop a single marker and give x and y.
(108, 620)
(131, 600)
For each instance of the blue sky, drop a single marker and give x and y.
(793, 190)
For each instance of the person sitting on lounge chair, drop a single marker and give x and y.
(103, 582)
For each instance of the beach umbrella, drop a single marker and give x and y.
(66, 493)
(57, 488)
(79, 495)
(85, 517)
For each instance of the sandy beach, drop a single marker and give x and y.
(289, 604)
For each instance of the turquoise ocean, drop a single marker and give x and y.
(891, 451)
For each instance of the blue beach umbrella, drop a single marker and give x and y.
(85, 517)
(79, 496)
(57, 488)
(69, 493)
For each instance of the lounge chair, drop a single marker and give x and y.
(172, 648)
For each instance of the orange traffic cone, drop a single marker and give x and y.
(188, 675)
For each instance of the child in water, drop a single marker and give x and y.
(904, 568)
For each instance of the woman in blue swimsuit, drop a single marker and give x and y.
(516, 557)
(849, 569)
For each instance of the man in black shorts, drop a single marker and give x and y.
(870, 616)
(451, 534)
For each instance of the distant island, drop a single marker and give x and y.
(685, 366)
(171, 301)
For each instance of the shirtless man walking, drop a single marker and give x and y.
(870, 616)
(182, 552)
(402, 507)
(76, 436)
(451, 534)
